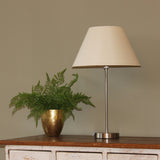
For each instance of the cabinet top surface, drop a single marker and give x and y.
(86, 141)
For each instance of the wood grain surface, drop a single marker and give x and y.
(86, 141)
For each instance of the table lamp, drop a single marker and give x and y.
(106, 47)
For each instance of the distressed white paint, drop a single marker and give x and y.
(78, 156)
(131, 157)
(29, 155)
(79, 153)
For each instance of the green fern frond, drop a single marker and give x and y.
(59, 77)
(73, 81)
(47, 76)
(54, 94)
(38, 88)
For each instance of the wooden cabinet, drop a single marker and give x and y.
(131, 157)
(78, 156)
(81, 148)
(29, 155)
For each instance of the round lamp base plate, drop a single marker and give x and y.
(106, 135)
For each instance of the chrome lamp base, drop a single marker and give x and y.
(106, 135)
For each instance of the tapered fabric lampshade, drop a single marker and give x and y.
(106, 46)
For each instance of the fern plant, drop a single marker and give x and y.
(54, 94)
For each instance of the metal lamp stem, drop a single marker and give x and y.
(106, 134)
(106, 98)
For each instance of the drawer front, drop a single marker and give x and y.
(131, 157)
(29, 155)
(78, 156)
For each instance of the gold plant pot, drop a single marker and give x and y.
(52, 122)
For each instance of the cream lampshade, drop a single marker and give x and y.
(105, 47)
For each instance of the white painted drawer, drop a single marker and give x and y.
(131, 157)
(78, 156)
(29, 155)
